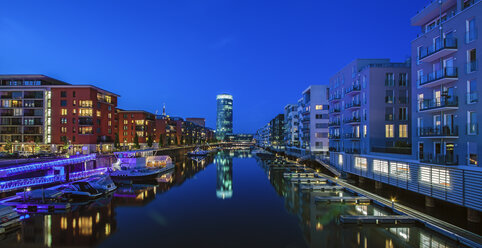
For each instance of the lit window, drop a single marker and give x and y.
(389, 131)
(400, 170)
(85, 103)
(85, 112)
(361, 163)
(98, 113)
(126, 122)
(380, 166)
(364, 131)
(403, 131)
(436, 177)
(63, 112)
(63, 129)
(340, 159)
(319, 107)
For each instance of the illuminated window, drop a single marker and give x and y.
(403, 131)
(319, 107)
(361, 163)
(389, 131)
(63, 129)
(400, 170)
(340, 159)
(109, 115)
(139, 122)
(364, 131)
(434, 176)
(380, 166)
(85, 130)
(85, 103)
(126, 122)
(98, 113)
(85, 112)
(63, 112)
(109, 123)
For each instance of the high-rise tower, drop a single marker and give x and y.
(224, 121)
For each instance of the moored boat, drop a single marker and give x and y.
(198, 152)
(9, 219)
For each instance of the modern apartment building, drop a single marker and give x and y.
(37, 110)
(291, 136)
(313, 109)
(276, 133)
(370, 108)
(224, 120)
(447, 74)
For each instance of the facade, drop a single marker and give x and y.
(262, 136)
(198, 121)
(291, 136)
(446, 75)
(276, 132)
(138, 123)
(39, 111)
(313, 110)
(224, 121)
(370, 109)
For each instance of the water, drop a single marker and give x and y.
(231, 200)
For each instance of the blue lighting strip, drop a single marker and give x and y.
(36, 181)
(43, 166)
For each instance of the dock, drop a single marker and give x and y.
(320, 187)
(309, 180)
(343, 199)
(302, 174)
(389, 219)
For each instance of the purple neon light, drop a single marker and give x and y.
(36, 181)
(43, 166)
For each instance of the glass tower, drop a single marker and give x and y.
(224, 122)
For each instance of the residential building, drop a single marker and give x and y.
(224, 121)
(369, 108)
(138, 123)
(291, 136)
(447, 74)
(276, 133)
(39, 111)
(198, 121)
(262, 136)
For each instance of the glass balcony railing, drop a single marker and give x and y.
(352, 136)
(334, 97)
(444, 102)
(352, 105)
(352, 120)
(440, 159)
(448, 43)
(353, 88)
(448, 72)
(439, 131)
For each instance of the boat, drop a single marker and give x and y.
(9, 219)
(139, 166)
(78, 191)
(198, 152)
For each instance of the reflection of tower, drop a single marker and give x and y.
(224, 168)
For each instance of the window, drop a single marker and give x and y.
(99, 113)
(472, 91)
(361, 163)
(389, 79)
(63, 103)
(74, 102)
(85, 103)
(472, 153)
(389, 114)
(319, 116)
(73, 129)
(403, 96)
(364, 131)
(403, 114)
(73, 93)
(471, 60)
(380, 166)
(63, 120)
(126, 128)
(109, 123)
(73, 120)
(402, 79)
(400, 170)
(389, 96)
(319, 144)
(109, 115)
(85, 112)
(435, 176)
(340, 159)
(321, 135)
(85, 130)
(389, 131)
(63, 94)
(472, 123)
(319, 107)
(403, 131)
(63, 111)
(470, 30)
(63, 129)
(321, 125)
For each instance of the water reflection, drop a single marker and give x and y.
(224, 174)
(320, 222)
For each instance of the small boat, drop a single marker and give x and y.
(102, 183)
(9, 219)
(78, 191)
(198, 152)
(135, 173)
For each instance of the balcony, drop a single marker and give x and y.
(334, 98)
(353, 121)
(334, 123)
(86, 121)
(353, 105)
(442, 104)
(440, 159)
(335, 111)
(436, 78)
(432, 53)
(334, 136)
(352, 136)
(354, 89)
(334, 149)
(439, 132)
(394, 150)
(352, 150)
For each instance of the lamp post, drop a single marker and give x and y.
(393, 203)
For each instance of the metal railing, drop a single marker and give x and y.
(448, 72)
(440, 159)
(439, 131)
(448, 43)
(443, 102)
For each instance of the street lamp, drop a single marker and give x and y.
(393, 202)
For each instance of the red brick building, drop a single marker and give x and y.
(136, 122)
(83, 117)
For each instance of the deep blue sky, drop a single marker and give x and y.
(183, 53)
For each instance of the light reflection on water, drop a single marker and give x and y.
(223, 201)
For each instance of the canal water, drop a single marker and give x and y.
(231, 199)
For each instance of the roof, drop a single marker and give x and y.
(32, 77)
(86, 86)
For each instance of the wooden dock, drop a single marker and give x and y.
(301, 174)
(389, 219)
(343, 199)
(320, 187)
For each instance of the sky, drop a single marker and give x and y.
(183, 53)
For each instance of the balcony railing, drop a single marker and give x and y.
(354, 88)
(394, 150)
(448, 43)
(445, 73)
(352, 150)
(352, 136)
(444, 102)
(334, 136)
(439, 131)
(334, 123)
(440, 159)
(334, 149)
(334, 97)
(472, 97)
(335, 110)
(352, 105)
(352, 120)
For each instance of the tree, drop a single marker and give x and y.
(116, 141)
(8, 146)
(136, 142)
(161, 140)
(149, 140)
